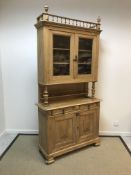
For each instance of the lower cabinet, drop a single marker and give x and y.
(62, 131)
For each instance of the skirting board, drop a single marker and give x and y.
(103, 133)
(17, 131)
(114, 133)
(2, 133)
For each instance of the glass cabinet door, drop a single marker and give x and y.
(72, 57)
(84, 56)
(61, 55)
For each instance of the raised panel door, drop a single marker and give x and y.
(64, 131)
(87, 125)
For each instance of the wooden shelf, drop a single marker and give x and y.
(85, 63)
(67, 102)
(60, 63)
(82, 50)
(63, 49)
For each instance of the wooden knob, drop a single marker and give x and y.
(75, 59)
(77, 113)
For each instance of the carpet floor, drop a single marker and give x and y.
(23, 158)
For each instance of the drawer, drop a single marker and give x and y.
(71, 109)
(84, 107)
(57, 111)
(93, 105)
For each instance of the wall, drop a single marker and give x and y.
(19, 64)
(19, 56)
(2, 117)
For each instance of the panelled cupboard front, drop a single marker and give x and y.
(67, 72)
(68, 128)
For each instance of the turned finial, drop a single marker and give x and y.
(46, 8)
(98, 20)
(98, 23)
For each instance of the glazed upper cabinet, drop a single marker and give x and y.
(72, 57)
(67, 55)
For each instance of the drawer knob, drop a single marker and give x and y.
(77, 114)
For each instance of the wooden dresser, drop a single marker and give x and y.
(67, 72)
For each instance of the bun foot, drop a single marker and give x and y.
(97, 143)
(50, 160)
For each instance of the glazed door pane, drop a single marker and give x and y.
(61, 55)
(84, 55)
(61, 41)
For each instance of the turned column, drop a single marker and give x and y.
(45, 95)
(87, 90)
(93, 90)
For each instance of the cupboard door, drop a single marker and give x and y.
(88, 125)
(64, 132)
(85, 55)
(61, 55)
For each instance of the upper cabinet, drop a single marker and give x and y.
(67, 50)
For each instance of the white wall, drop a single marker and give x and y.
(2, 117)
(19, 57)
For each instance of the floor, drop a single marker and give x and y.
(23, 158)
(7, 139)
(127, 140)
